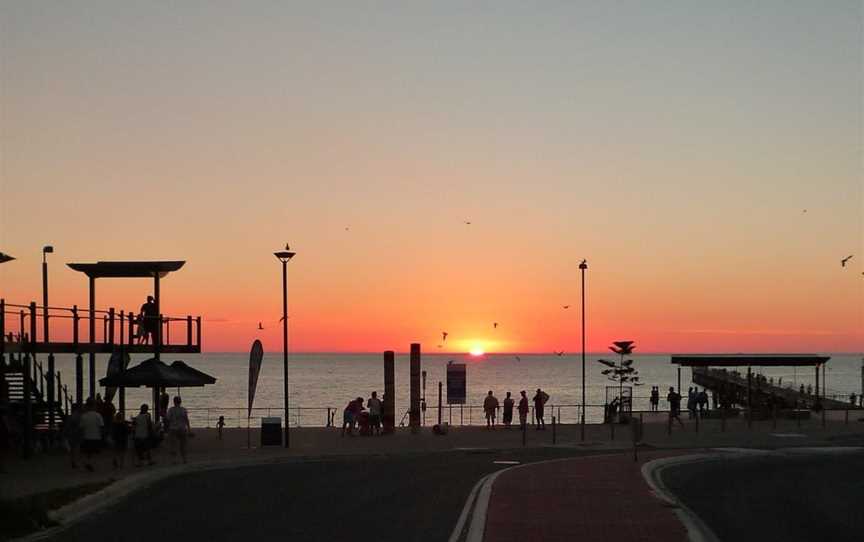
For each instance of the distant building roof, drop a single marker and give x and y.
(746, 360)
(126, 269)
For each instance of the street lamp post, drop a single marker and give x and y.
(48, 249)
(284, 256)
(582, 267)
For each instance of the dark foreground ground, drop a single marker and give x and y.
(400, 498)
(789, 498)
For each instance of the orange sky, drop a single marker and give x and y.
(705, 160)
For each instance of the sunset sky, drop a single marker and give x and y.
(706, 158)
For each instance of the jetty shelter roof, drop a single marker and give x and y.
(127, 269)
(749, 360)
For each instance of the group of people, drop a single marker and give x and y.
(94, 427)
(367, 419)
(491, 405)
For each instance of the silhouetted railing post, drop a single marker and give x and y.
(389, 405)
(440, 406)
(75, 318)
(131, 339)
(188, 331)
(198, 332)
(2, 331)
(111, 325)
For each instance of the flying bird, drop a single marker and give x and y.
(260, 326)
(440, 346)
(559, 354)
(566, 306)
(468, 222)
(347, 228)
(846, 259)
(494, 325)
(444, 336)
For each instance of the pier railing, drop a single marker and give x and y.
(23, 328)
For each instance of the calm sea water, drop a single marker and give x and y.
(318, 381)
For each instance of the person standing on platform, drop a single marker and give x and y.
(508, 411)
(540, 399)
(150, 319)
(374, 405)
(490, 406)
(178, 428)
(523, 410)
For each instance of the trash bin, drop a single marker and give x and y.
(271, 431)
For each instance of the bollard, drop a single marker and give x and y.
(524, 428)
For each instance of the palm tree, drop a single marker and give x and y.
(623, 370)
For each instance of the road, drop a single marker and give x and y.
(398, 498)
(788, 497)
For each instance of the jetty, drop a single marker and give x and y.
(722, 375)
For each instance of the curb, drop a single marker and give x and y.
(697, 530)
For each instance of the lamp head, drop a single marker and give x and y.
(47, 249)
(284, 255)
(584, 264)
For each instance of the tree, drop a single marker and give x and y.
(621, 371)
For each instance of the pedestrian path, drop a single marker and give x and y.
(600, 498)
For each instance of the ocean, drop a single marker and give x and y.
(320, 381)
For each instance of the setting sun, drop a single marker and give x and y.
(476, 350)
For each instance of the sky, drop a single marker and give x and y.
(704, 157)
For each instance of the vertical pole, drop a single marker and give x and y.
(79, 379)
(554, 432)
(440, 395)
(3, 335)
(131, 338)
(50, 394)
(111, 326)
(285, 347)
(582, 267)
(28, 407)
(44, 300)
(679, 380)
(92, 372)
(188, 330)
(749, 397)
(157, 337)
(414, 416)
(389, 392)
(816, 389)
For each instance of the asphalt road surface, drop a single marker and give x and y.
(789, 498)
(399, 498)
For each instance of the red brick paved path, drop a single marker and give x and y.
(589, 499)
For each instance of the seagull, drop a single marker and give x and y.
(260, 326)
(804, 211)
(468, 222)
(494, 325)
(566, 306)
(347, 228)
(444, 336)
(440, 346)
(559, 354)
(846, 259)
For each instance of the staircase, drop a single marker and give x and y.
(43, 414)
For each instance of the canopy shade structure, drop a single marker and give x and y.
(749, 360)
(5, 258)
(152, 373)
(127, 269)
